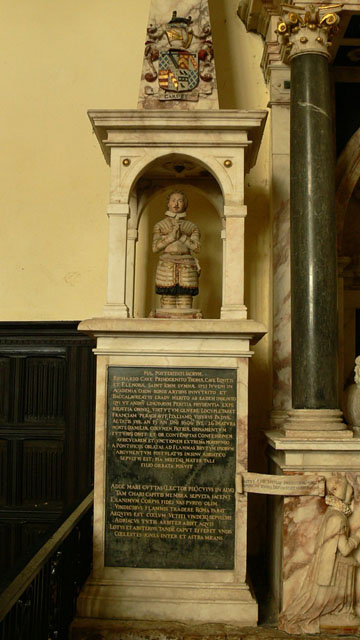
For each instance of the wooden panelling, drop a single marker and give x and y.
(6, 546)
(47, 399)
(3, 471)
(5, 364)
(42, 472)
(30, 534)
(44, 389)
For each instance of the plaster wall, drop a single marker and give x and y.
(58, 60)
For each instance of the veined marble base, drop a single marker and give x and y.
(296, 520)
(311, 455)
(169, 600)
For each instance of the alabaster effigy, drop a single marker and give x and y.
(320, 590)
(177, 239)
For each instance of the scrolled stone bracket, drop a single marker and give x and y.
(307, 29)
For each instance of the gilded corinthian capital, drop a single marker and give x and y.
(308, 29)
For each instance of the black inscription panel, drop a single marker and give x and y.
(170, 493)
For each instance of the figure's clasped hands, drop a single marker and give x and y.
(175, 232)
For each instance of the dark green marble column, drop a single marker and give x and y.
(313, 236)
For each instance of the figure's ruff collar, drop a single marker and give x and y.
(339, 505)
(173, 214)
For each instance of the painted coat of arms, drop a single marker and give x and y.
(180, 59)
(178, 70)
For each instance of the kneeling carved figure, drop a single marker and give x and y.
(326, 599)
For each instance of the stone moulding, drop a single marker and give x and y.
(256, 14)
(241, 128)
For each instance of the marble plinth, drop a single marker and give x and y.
(315, 424)
(120, 587)
(170, 600)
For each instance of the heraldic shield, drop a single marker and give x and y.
(178, 70)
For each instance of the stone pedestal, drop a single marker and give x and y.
(169, 526)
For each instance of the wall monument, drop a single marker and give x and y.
(170, 521)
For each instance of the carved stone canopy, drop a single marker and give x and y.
(256, 14)
(140, 144)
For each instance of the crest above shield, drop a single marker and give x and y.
(178, 66)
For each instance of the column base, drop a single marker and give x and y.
(116, 310)
(315, 424)
(278, 417)
(233, 312)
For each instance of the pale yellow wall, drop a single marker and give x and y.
(58, 60)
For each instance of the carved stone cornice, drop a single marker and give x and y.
(272, 49)
(256, 14)
(307, 29)
(262, 17)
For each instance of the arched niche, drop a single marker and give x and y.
(148, 199)
(209, 153)
(147, 205)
